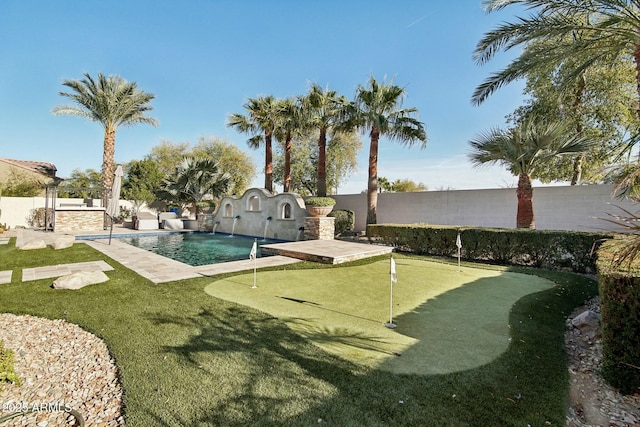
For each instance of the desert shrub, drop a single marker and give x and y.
(38, 219)
(345, 220)
(7, 374)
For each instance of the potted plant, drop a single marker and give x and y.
(319, 206)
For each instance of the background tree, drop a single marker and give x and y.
(260, 122)
(193, 180)
(142, 182)
(599, 103)
(112, 102)
(324, 110)
(341, 162)
(168, 154)
(377, 109)
(230, 159)
(290, 123)
(523, 150)
(85, 184)
(20, 184)
(405, 185)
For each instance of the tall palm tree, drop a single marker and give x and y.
(607, 29)
(324, 110)
(522, 150)
(112, 102)
(261, 122)
(193, 179)
(377, 109)
(290, 123)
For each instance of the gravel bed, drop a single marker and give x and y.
(592, 401)
(60, 366)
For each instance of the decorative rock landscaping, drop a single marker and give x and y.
(60, 366)
(592, 401)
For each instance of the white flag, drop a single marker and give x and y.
(394, 274)
(459, 241)
(254, 250)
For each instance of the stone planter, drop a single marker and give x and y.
(319, 210)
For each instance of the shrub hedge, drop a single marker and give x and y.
(555, 250)
(620, 311)
(345, 220)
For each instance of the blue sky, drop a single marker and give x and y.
(204, 58)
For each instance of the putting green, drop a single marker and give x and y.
(447, 320)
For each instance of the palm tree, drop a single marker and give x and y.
(289, 124)
(522, 150)
(377, 110)
(261, 122)
(110, 101)
(607, 29)
(194, 179)
(324, 110)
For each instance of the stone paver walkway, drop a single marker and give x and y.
(159, 269)
(59, 270)
(5, 276)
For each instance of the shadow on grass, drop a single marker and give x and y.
(289, 382)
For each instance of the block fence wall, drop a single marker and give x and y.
(580, 208)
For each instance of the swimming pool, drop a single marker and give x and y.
(197, 248)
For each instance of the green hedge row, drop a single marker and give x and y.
(556, 250)
(620, 312)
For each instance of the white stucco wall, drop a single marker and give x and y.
(555, 208)
(254, 208)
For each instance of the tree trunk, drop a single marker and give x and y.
(322, 163)
(268, 163)
(636, 59)
(372, 188)
(524, 217)
(577, 108)
(108, 162)
(577, 169)
(287, 162)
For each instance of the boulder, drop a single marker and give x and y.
(34, 244)
(79, 280)
(588, 322)
(63, 242)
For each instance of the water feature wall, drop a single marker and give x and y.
(258, 213)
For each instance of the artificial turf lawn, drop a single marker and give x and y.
(447, 320)
(189, 359)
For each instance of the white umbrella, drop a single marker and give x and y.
(112, 204)
(114, 200)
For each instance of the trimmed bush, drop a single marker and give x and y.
(319, 201)
(555, 250)
(345, 220)
(7, 374)
(620, 311)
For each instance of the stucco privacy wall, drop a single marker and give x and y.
(254, 207)
(556, 208)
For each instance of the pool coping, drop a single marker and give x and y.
(160, 269)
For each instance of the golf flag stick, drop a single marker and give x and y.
(393, 278)
(253, 256)
(459, 245)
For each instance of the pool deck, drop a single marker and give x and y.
(159, 269)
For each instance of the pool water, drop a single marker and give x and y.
(197, 248)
